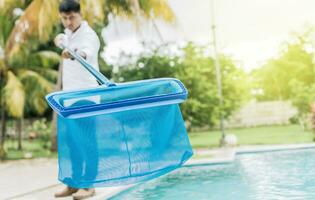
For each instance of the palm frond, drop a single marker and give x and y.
(37, 20)
(37, 88)
(50, 75)
(47, 18)
(121, 7)
(14, 96)
(46, 59)
(136, 10)
(93, 11)
(2, 65)
(152, 9)
(6, 25)
(6, 6)
(158, 8)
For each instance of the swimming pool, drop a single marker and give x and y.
(288, 174)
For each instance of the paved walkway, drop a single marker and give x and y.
(37, 179)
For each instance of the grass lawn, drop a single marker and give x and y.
(290, 134)
(37, 148)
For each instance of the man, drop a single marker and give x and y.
(81, 38)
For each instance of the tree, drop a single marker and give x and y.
(290, 76)
(26, 71)
(197, 72)
(303, 100)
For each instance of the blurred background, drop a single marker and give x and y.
(248, 66)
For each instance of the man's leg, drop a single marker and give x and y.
(67, 128)
(90, 154)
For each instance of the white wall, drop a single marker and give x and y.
(262, 113)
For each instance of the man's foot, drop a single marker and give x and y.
(68, 191)
(83, 193)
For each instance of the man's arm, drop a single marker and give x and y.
(89, 47)
(61, 40)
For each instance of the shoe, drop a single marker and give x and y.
(68, 191)
(83, 193)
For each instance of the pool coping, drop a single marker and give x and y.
(221, 156)
(228, 154)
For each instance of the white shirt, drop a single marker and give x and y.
(74, 75)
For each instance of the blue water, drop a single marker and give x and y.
(257, 176)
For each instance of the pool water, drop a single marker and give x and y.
(276, 175)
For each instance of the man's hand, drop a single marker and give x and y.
(81, 53)
(61, 40)
(66, 55)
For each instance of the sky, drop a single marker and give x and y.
(251, 31)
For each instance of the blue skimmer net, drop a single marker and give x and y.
(119, 134)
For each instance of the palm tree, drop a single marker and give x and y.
(24, 82)
(35, 27)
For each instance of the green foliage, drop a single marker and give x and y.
(197, 72)
(153, 8)
(6, 27)
(290, 76)
(118, 6)
(2, 153)
(46, 59)
(40, 128)
(275, 76)
(304, 95)
(35, 70)
(303, 100)
(155, 66)
(38, 87)
(37, 148)
(14, 96)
